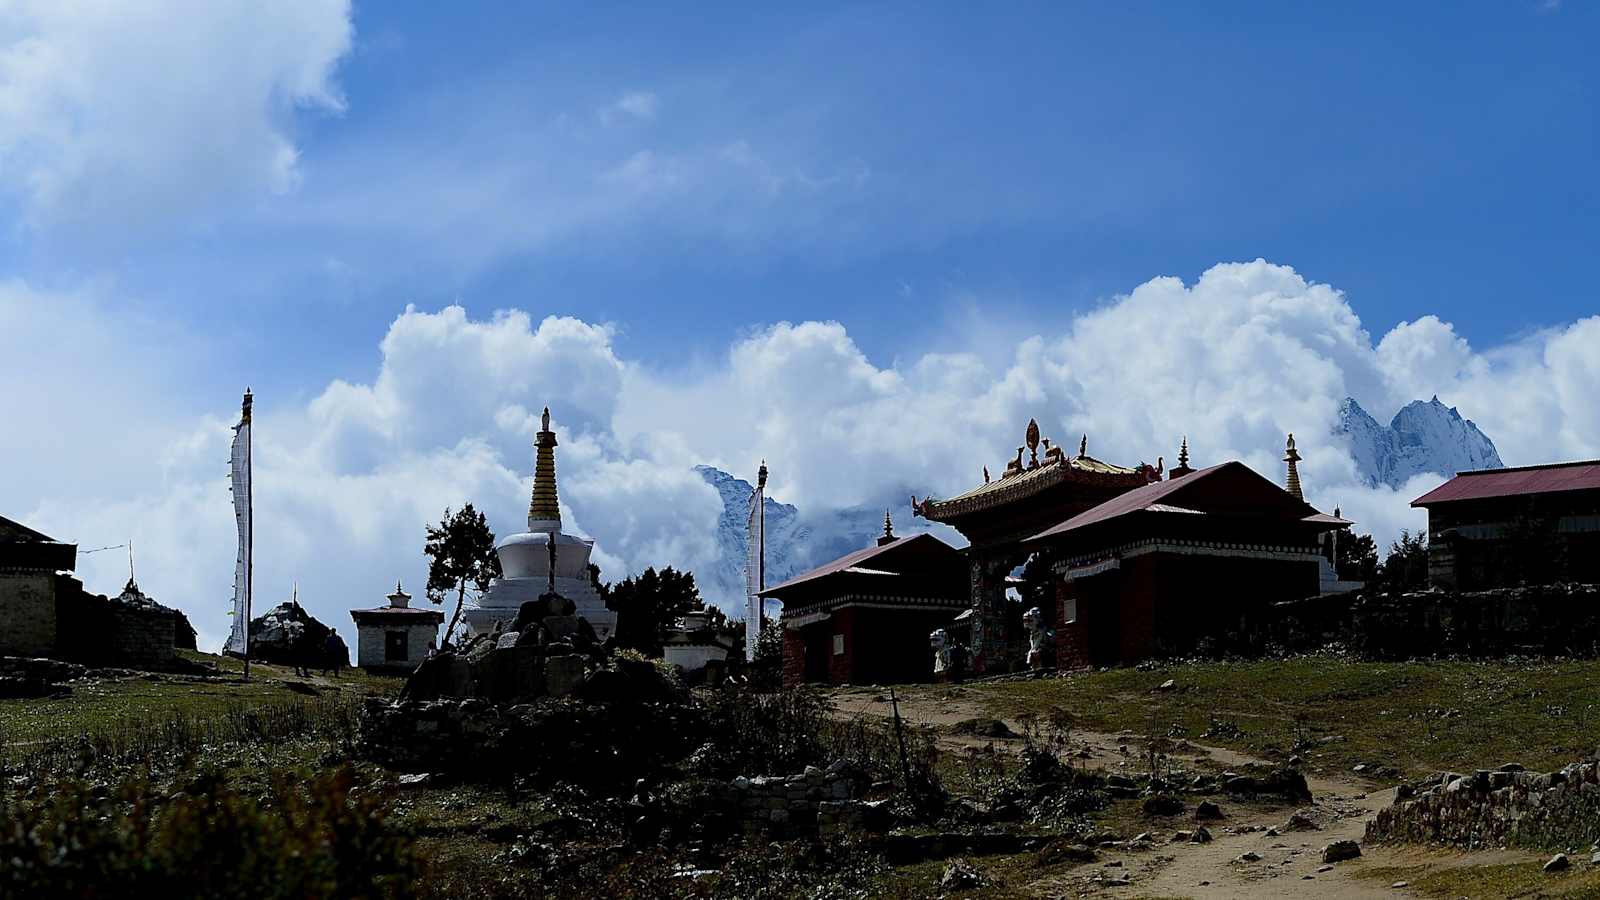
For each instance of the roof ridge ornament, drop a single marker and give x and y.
(1083, 446)
(1031, 437)
(888, 530)
(1292, 479)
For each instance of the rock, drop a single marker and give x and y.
(1061, 851)
(1558, 863)
(990, 728)
(562, 674)
(1594, 860)
(417, 780)
(1339, 851)
(287, 635)
(1162, 805)
(1200, 836)
(1249, 856)
(1208, 811)
(960, 875)
(1167, 685)
(1301, 822)
(1400, 884)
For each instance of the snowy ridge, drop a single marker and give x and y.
(1425, 437)
(796, 543)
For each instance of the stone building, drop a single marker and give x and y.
(44, 610)
(35, 569)
(1154, 570)
(694, 644)
(395, 637)
(1504, 527)
(996, 516)
(865, 617)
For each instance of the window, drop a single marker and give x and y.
(1069, 610)
(395, 647)
(838, 645)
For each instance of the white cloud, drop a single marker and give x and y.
(347, 480)
(110, 110)
(635, 104)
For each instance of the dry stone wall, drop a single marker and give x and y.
(1499, 808)
(814, 799)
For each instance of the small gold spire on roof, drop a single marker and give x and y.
(1292, 481)
(985, 474)
(888, 530)
(1183, 452)
(1031, 438)
(1083, 447)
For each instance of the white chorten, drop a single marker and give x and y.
(527, 559)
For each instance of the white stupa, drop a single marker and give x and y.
(527, 560)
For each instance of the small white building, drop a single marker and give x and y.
(395, 637)
(694, 644)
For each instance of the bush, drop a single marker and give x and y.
(762, 734)
(316, 839)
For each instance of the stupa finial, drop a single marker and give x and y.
(1083, 447)
(544, 511)
(1292, 481)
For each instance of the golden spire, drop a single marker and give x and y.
(544, 509)
(1083, 447)
(1292, 482)
(1183, 453)
(888, 530)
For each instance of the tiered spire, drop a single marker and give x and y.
(1182, 468)
(888, 530)
(1292, 481)
(544, 512)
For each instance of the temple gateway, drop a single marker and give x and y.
(998, 515)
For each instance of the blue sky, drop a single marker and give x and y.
(1031, 162)
(966, 214)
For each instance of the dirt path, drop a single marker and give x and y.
(1289, 864)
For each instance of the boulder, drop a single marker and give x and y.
(287, 635)
(562, 674)
(1339, 851)
(1558, 863)
(1207, 811)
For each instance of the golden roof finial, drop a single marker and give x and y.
(1183, 453)
(1031, 437)
(1292, 481)
(1083, 447)
(985, 474)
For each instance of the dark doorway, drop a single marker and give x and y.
(395, 647)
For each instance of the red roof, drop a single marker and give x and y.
(1254, 494)
(854, 561)
(1485, 483)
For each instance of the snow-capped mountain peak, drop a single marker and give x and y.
(1424, 436)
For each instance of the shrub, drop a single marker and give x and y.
(316, 839)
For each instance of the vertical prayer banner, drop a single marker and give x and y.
(238, 638)
(752, 573)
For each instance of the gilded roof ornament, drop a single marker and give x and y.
(1292, 479)
(1031, 437)
(1083, 447)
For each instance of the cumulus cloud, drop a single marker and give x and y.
(347, 480)
(111, 110)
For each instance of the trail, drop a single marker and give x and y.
(1290, 863)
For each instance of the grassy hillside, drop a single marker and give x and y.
(1414, 716)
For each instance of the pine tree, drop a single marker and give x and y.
(460, 550)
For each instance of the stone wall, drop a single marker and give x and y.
(99, 631)
(815, 799)
(1501, 808)
(28, 613)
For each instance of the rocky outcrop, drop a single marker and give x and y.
(1500, 808)
(287, 635)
